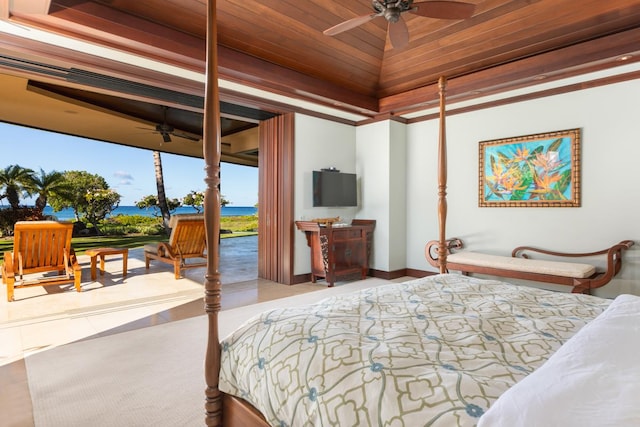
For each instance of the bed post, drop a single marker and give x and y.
(211, 146)
(442, 181)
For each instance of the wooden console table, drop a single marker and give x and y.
(338, 250)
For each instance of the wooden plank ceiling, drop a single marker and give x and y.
(279, 46)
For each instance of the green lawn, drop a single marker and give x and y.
(81, 244)
(129, 231)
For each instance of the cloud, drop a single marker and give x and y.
(125, 178)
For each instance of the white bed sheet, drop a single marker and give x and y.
(592, 380)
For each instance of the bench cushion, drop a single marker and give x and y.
(555, 268)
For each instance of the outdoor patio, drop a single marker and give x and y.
(42, 317)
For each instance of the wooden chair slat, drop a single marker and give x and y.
(41, 247)
(187, 240)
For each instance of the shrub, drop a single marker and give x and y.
(8, 218)
(239, 223)
(121, 225)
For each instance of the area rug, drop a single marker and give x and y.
(148, 377)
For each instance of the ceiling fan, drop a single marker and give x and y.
(167, 131)
(392, 11)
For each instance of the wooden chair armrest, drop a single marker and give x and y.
(614, 259)
(7, 267)
(73, 259)
(164, 250)
(520, 251)
(431, 249)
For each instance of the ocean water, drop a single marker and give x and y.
(67, 214)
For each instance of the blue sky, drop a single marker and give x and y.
(129, 171)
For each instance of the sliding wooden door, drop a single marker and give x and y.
(275, 199)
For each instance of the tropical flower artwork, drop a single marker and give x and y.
(536, 170)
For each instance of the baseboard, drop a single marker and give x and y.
(419, 273)
(390, 275)
(301, 278)
(387, 275)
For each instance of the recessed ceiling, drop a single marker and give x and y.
(274, 57)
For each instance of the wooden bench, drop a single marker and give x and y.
(582, 277)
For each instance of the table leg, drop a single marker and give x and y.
(93, 267)
(125, 257)
(102, 265)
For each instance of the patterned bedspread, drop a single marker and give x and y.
(435, 351)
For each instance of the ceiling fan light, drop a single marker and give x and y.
(392, 14)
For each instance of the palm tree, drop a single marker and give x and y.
(46, 185)
(162, 197)
(15, 179)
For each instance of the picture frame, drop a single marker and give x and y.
(540, 170)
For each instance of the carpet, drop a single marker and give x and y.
(147, 377)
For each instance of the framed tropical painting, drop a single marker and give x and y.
(541, 170)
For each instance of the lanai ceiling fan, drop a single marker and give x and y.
(392, 11)
(167, 131)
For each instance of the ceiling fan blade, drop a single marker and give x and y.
(349, 24)
(398, 34)
(186, 136)
(443, 9)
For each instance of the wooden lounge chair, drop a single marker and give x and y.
(187, 241)
(40, 247)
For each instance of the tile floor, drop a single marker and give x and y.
(42, 318)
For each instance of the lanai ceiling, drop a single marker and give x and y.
(274, 58)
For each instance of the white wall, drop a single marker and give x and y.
(397, 169)
(380, 162)
(319, 144)
(610, 210)
(397, 196)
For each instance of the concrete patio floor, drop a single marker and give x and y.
(41, 317)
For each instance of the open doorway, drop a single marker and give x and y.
(238, 223)
(159, 119)
(129, 172)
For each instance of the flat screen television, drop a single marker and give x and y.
(334, 189)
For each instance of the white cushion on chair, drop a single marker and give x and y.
(555, 268)
(151, 247)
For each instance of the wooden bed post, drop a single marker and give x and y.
(442, 181)
(211, 146)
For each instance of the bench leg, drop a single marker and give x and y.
(581, 287)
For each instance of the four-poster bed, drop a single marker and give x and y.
(436, 351)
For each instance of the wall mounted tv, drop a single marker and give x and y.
(334, 189)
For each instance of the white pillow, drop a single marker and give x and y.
(592, 380)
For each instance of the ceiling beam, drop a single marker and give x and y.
(141, 37)
(594, 55)
(254, 72)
